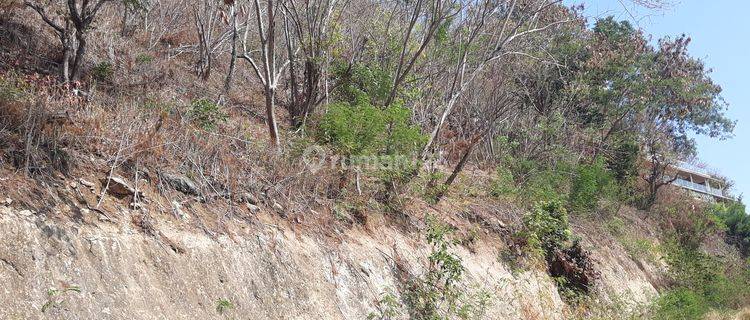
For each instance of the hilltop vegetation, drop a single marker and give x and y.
(363, 106)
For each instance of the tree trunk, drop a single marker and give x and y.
(80, 52)
(457, 169)
(312, 77)
(66, 59)
(273, 129)
(294, 104)
(233, 58)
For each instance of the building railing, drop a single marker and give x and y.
(692, 167)
(699, 187)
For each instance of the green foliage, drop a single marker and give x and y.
(546, 227)
(12, 88)
(387, 308)
(438, 293)
(622, 159)
(223, 305)
(103, 71)
(144, 58)
(362, 84)
(536, 182)
(503, 184)
(590, 183)
(363, 129)
(640, 248)
(206, 114)
(737, 223)
(703, 283)
(680, 304)
(56, 297)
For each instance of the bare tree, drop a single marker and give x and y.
(71, 22)
(306, 25)
(432, 14)
(489, 106)
(513, 26)
(264, 60)
(233, 44)
(206, 17)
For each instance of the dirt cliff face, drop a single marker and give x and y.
(82, 270)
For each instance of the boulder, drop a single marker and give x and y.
(118, 187)
(249, 198)
(181, 183)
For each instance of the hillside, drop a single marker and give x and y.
(361, 160)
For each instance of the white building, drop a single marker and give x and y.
(700, 183)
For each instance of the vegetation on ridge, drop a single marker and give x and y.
(571, 122)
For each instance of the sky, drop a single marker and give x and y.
(720, 32)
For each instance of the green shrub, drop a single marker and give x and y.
(546, 227)
(736, 222)
(623, 159)
(615, 225)
(206, 114)
(503, 184)
(12, 88)
(708, 281)
(387, 308)
(547, 185)
(103, 71)
(591, 183)
(382, 141)
(223, 305)
(362, 84)
(364, 129)
(680, 304)
(144, 58)
(640, 248)
(529, 180)
(438, 294)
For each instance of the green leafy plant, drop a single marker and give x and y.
(206, 114)
(12, 88)
(103, 71)
(590, 183)
(56, 297)
(363, 129)
(144, 58)
(736, 222)
(438, 294)
(223, 305)
(503, 184)
(640, 248)
(702, 283)
(387, 308)
(680, 304)
(546, 227)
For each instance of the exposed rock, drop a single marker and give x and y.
(154, 269)
(253, 208)
(7, 201)
(118, 187)
(86, 183)
(178, 210)
(249, 198)
(181, 183)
